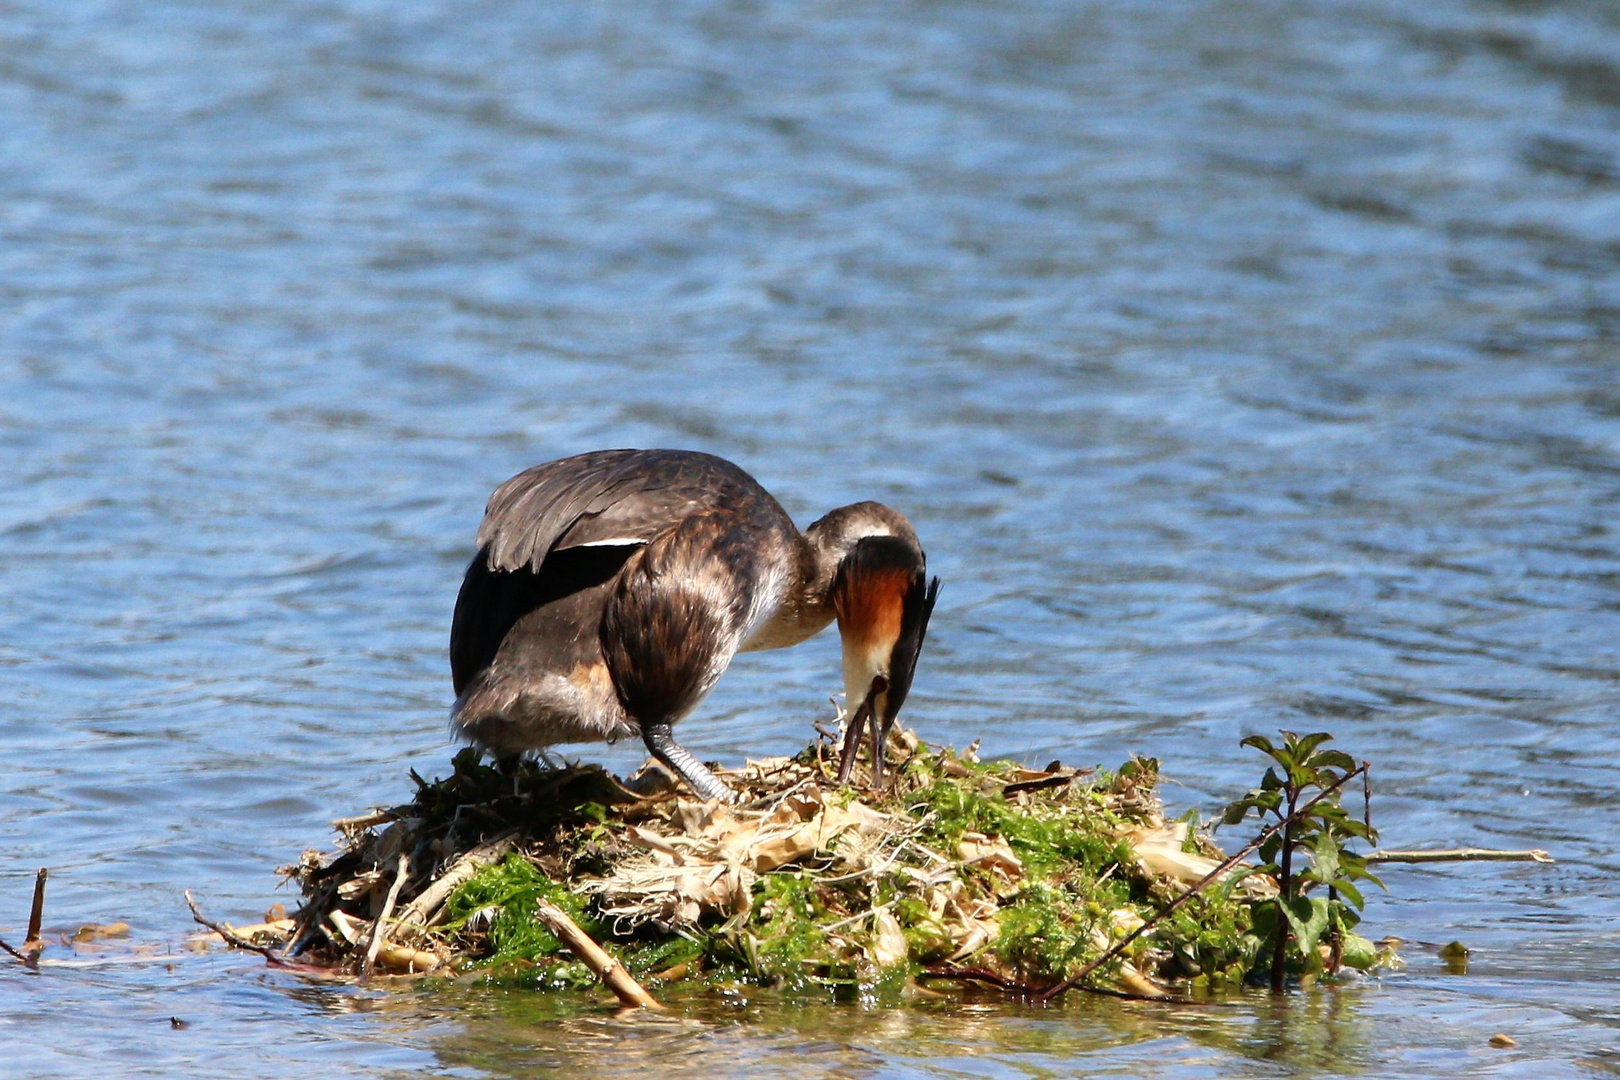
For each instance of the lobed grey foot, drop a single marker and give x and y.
(662, 745)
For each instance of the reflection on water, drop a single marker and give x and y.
(1341, 1030)
(519, 1035)
(1243, 364)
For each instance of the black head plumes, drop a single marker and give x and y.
(916, 608)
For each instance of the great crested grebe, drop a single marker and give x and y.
(611, 589)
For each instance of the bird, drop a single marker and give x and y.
(611, 589)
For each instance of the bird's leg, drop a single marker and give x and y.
(510, 765)
(852, 740)
(662, 745)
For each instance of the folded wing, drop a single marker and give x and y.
(601, 498)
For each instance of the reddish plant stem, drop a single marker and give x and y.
(1279, 955)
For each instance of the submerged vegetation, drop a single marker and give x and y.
(961, 870)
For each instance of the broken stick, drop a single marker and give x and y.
(379, 932)
(235, 940)
(401, 959)
(1466, 854)
(37, 914)
(32, 946)
(592, 955)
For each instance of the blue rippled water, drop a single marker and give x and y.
(1242, 365)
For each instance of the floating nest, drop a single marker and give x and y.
(959, 870)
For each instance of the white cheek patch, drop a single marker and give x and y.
(861, 666)
(617, 541)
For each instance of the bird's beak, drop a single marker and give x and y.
(916, 609)
(866, 697)
(880, 658)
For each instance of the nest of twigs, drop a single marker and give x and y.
(985, 872)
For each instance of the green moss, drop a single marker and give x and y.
(927, 939)
(650, 956)
(1045, 936)
(521, 950)
(783, 942)
(1049, 837)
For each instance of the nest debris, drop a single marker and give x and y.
(960, 869)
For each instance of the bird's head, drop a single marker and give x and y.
(883, 598)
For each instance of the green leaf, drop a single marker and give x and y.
(1357, 952)
(1260, 802)
(1366, 875)
(1350, 893)
(1352, 827)
(1334, 759)
(1266, 922)
(1271, 781)
(1354, 867)
(1260, 743)
(1302, 776)
(1302, 749)
(1325, 857)
(1224, 887)
(1308, 917)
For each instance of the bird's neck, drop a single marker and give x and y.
(807, 601)
(807, 606)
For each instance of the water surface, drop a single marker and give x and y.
(1242, 365)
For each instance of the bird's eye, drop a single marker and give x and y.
(879, 684)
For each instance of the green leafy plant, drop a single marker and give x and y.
(1301, 792)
